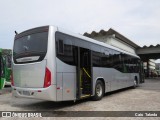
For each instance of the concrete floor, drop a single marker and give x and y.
(146, 97)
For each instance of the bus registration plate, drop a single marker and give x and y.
(26, 93)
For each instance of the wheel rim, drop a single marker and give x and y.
(99, 90)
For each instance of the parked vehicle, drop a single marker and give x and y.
(5, 69)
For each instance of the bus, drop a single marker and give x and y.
(53, 64)
(5, 68)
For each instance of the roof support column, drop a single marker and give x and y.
(148, 68)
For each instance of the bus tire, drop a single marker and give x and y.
(135, 83)
(99, 90)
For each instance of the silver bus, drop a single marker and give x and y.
(52, 64)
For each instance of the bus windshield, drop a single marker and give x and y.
(30, 46)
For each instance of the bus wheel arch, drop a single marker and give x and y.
(99, 89)
(135, 82)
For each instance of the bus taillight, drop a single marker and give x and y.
(47, 79)
(11, 77)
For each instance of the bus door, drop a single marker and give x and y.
(84, 72)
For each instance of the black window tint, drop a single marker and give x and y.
(107, 58)
(124, 58)
(126, 63)
(130, 64)
(101, 56)
(31, 45)
(60, 47)
(64, 49)
(117, 61)
(96, 59)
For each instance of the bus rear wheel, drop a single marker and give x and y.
(99, 90)
(135, 84)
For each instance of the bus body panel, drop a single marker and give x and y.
(29, 75)
(114, 79)
(66, 81)
(51, 53)
(120, 79)
(59, 86)
(106, 74)
(69, 88)
(48, 93)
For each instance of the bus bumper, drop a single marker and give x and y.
(48, 93)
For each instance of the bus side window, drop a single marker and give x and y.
(60, 47)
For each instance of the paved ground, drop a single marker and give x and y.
(146, 97)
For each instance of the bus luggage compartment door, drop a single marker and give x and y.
(69, 86)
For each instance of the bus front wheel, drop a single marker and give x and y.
(99, 90)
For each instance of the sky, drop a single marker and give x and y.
(138, 20)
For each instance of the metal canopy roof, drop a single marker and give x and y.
(111, 32)
(150, 52)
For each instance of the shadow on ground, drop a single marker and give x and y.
(150, 84)
(50, 105)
